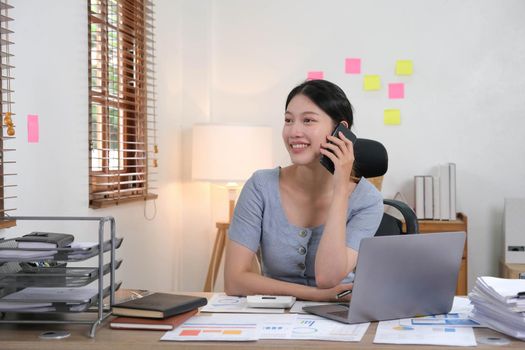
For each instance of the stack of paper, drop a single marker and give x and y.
(497, 305)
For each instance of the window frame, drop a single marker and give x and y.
(122, 37)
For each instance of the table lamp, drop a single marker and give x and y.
(228, 155)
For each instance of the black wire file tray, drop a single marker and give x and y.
(40, 285)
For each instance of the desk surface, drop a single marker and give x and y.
(26, 337)
(17, 336)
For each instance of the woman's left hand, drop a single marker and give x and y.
(342, 156)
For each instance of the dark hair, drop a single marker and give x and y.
(327, 96)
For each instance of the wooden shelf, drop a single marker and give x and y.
(508, 270)
(7, 223)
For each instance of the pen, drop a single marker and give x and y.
(345, 293)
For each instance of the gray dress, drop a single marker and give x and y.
(288, 251)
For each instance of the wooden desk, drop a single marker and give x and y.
(508, 270)
(26, 337)
(13, 336)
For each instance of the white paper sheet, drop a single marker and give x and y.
(393, 332)
(221, 302)
(450, 320)
(218, 327)
(73, 295)
(461, 305)
(246, 327)
(317, 328)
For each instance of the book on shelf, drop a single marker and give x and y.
(435, 192)
(429, 197)
(444, 192)
(435, 195)
(159, 305)
(165, 324)
(419, 190)
(452, 190)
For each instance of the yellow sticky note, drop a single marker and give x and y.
(392, 117)
(371, 82)
(404, 67)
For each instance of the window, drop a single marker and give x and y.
(7, 159)
(122, 121)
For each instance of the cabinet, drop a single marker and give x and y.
(60, 285)
(512, 270)
(460, 224)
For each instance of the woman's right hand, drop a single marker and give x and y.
(330, 294)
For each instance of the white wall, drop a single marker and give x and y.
(51, 81)
(234, 62)
(465, 102)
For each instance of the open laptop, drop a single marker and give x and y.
(401, 276)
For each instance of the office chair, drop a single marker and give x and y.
(371, 160)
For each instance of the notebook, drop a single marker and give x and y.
(401, 276)
(158, 305)
(153, 324)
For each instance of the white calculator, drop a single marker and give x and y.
(270, 301)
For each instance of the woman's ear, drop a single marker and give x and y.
(345, 123)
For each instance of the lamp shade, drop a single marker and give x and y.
(229, 153)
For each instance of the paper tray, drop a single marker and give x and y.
(70, 303)
(51, 254)
(61, 276)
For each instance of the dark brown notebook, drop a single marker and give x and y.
(166, 324)
(159, 305)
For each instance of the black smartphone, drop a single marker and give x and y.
(325, 161)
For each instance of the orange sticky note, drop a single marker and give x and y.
(392, 117)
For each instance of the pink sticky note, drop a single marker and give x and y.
(353, 66)
(32, 128)
(396, 90)
(315, 75)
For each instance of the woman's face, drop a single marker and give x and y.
(306, 126)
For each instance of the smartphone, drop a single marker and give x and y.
(327, 162)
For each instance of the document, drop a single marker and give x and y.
(25, 307)
(498, 305)
(457, 317)
(318, 328)
(244, 327)
(450, 319)
(217, 327)
(395, 332)
(221, 302)
(62, 294)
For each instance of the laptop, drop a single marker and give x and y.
(401, 276)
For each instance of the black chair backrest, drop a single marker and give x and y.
(371, 160)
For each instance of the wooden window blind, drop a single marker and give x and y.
(7, 155)
(122, 117)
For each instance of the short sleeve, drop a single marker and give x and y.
(365, 221)
(246, 225)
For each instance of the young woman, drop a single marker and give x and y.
(306, 222)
